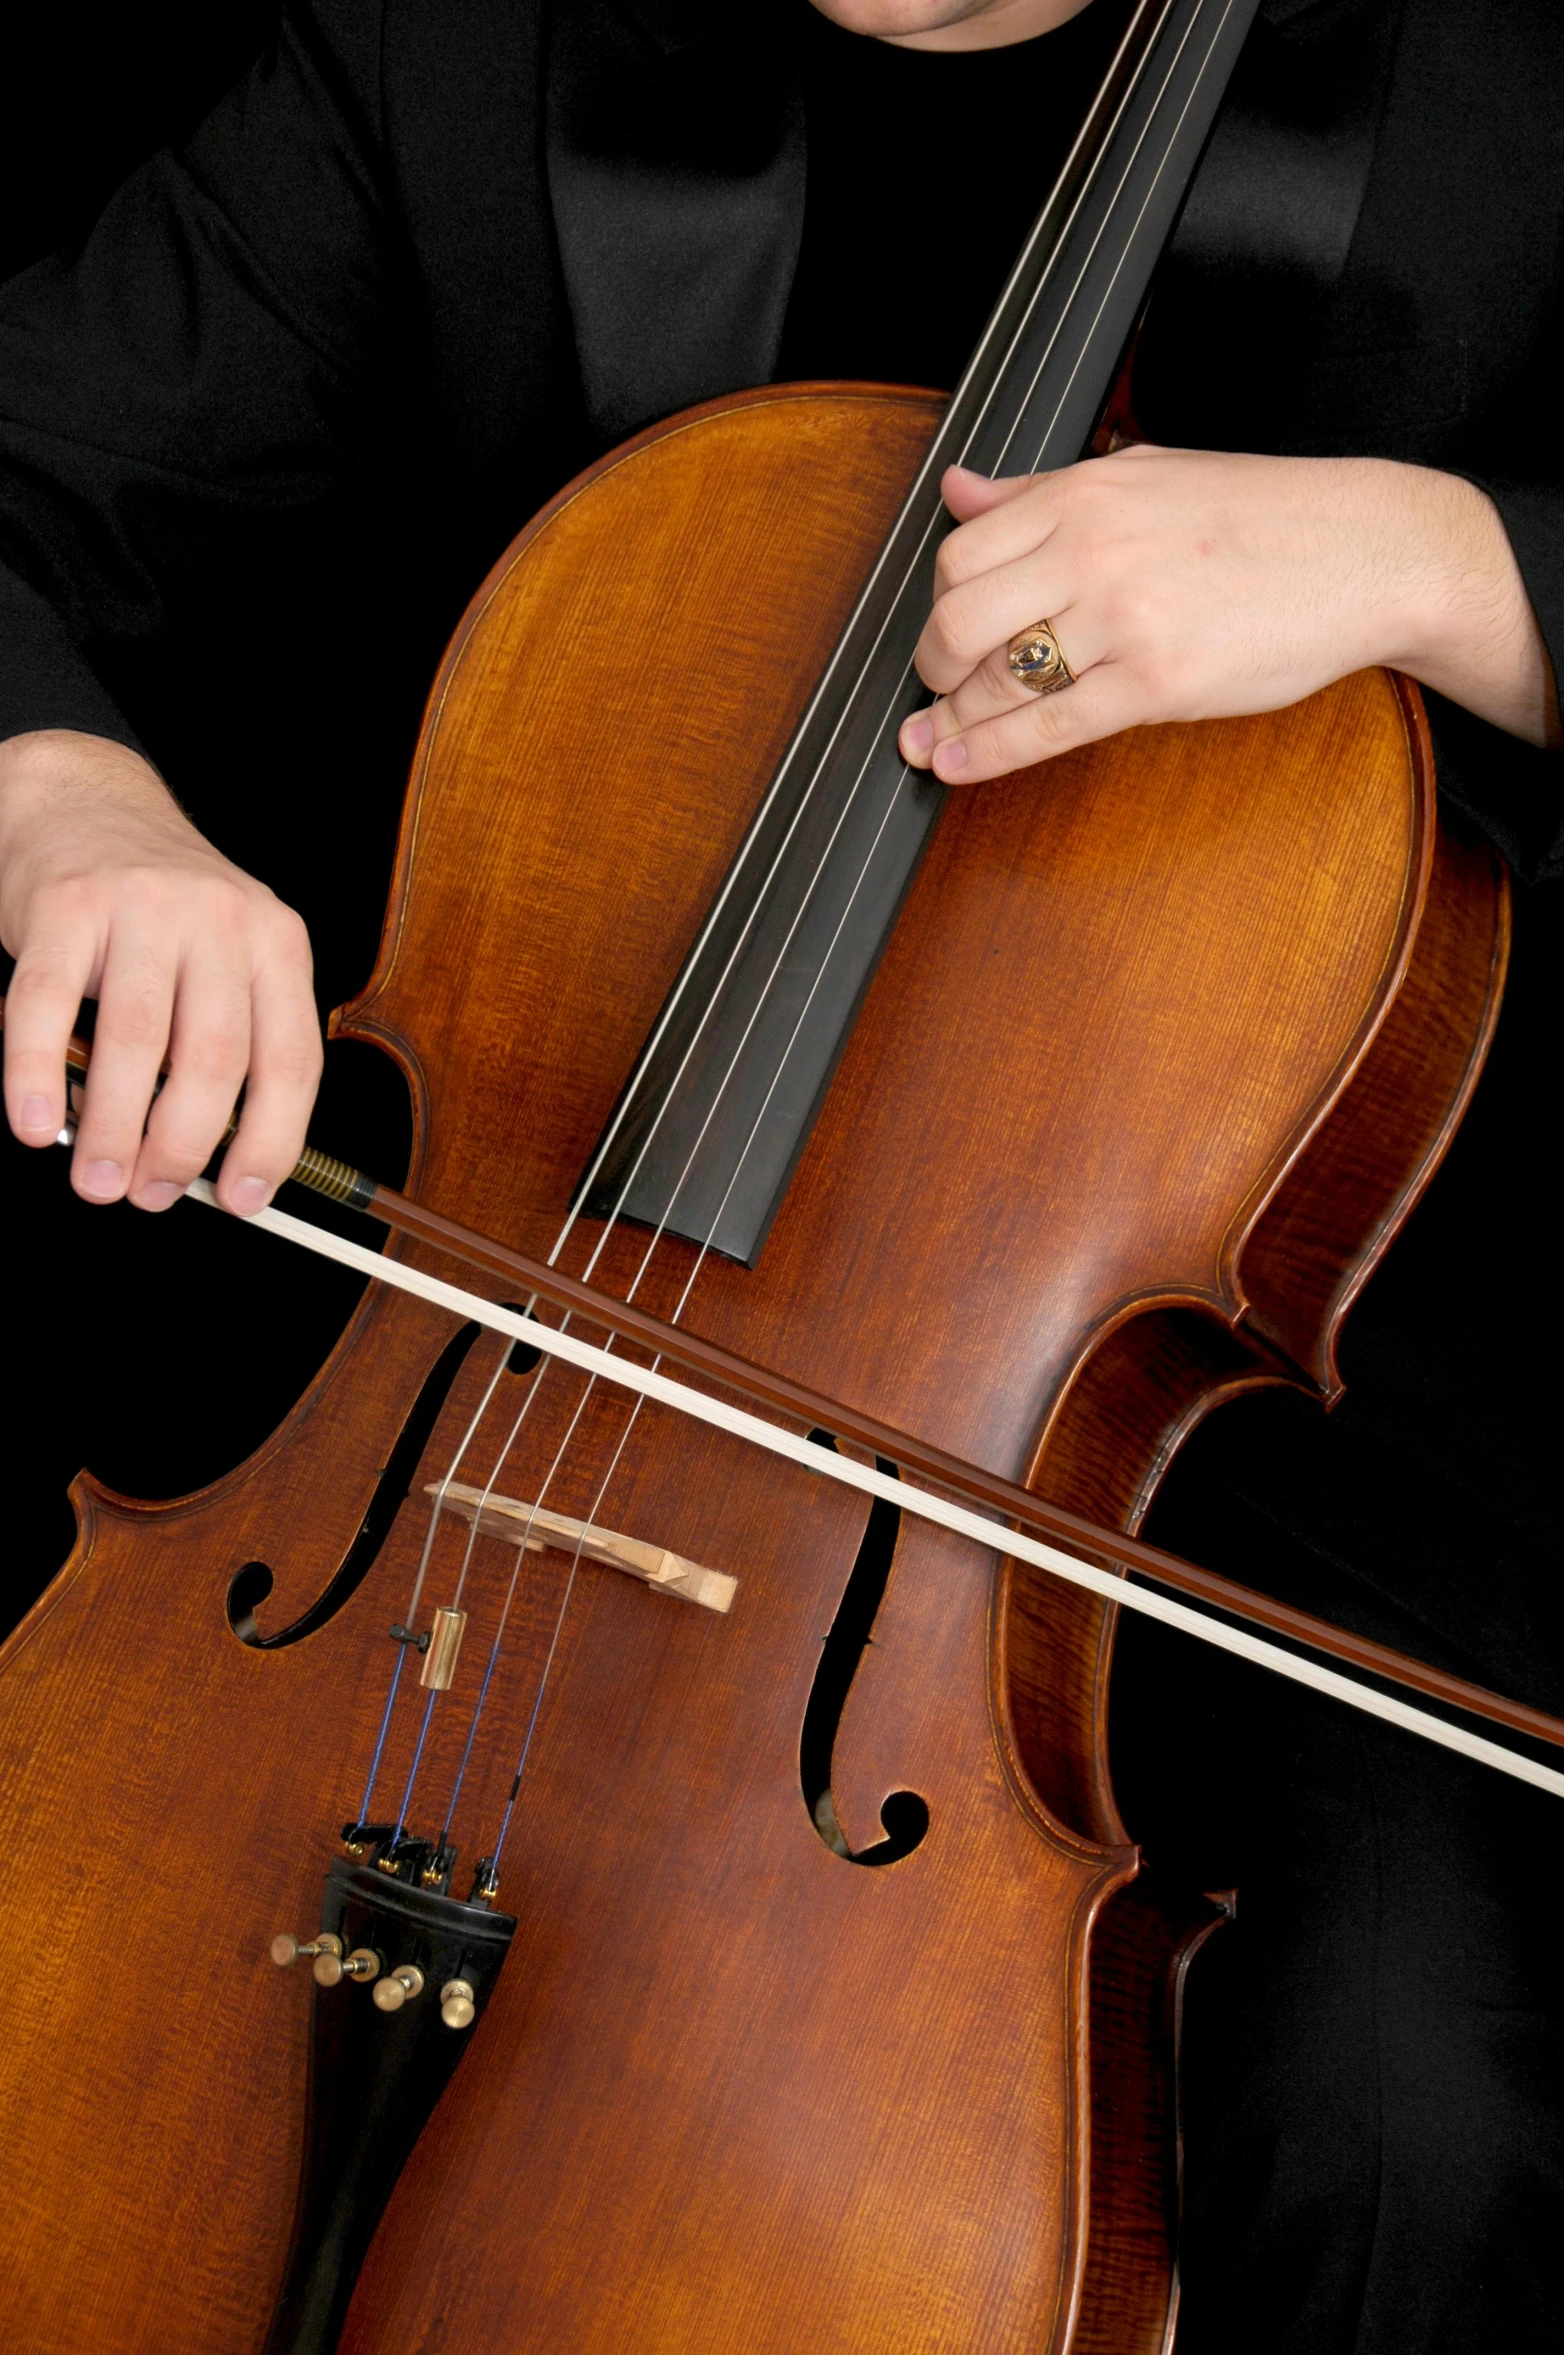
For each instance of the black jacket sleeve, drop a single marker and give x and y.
(210, 364)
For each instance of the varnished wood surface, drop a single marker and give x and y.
(734, 2090)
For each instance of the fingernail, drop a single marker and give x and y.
(917, 735)
(158, 1195)
(104, 1180)
(36, 1115)
(951, 758)
(251, 1194)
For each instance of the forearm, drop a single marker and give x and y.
(1463, 624)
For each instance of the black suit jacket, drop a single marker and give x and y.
(312, 369)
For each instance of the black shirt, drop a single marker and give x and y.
(926, 170)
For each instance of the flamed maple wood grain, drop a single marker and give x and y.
(734, 2091)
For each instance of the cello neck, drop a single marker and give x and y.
(715, 1113)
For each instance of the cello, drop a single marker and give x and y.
(832, 2004)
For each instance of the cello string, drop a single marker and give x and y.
(980, 419)
(536, 1506)
(887, 716)
(435, 1512)
(609, 1228)
(588, 1517)
(559, 1629)
(580, 1409)
(683, 1301)
(996, 387)
(488, 1490)
(1195, 87)
(980, 355)
(457, 1591)
(925, 1503)
(703, 1249)
(646, 1260)
(648, 1253)
(498, 1466)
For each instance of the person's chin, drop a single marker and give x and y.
(951, 24)
(890, 20)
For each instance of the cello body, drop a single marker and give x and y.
(1167, 1040)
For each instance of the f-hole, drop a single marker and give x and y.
(904, 1815)
(249, 1587)
(521, 1357)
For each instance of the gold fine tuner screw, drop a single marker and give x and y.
(363, 1963)
(399, 1987)
(457, 2006)
(286, 1949)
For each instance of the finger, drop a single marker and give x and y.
(129, 1040)
(1006, 528)
(967, 493)
(1003, 518)
(981, 616)
(285, 1066)
(1105, 700)
(41, 1008)
(209, 1054)
(994, 688)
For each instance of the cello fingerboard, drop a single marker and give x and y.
(721, 1101)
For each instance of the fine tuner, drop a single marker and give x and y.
(330, 1970)
(399, 1987)
(392, 1989)
(286, 1949)
(330, 1966)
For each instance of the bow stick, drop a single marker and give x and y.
(1065, 1537)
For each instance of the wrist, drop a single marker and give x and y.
(51, 771)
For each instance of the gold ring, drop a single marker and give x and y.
(1036, 659)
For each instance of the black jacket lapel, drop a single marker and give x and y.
(675, 140)
(1268, 227)
(1282, 182)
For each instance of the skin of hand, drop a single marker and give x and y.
(107, 891)
(1190, 584)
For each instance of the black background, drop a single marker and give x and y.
(168, 1348)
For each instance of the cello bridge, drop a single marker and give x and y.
(534, 1527)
